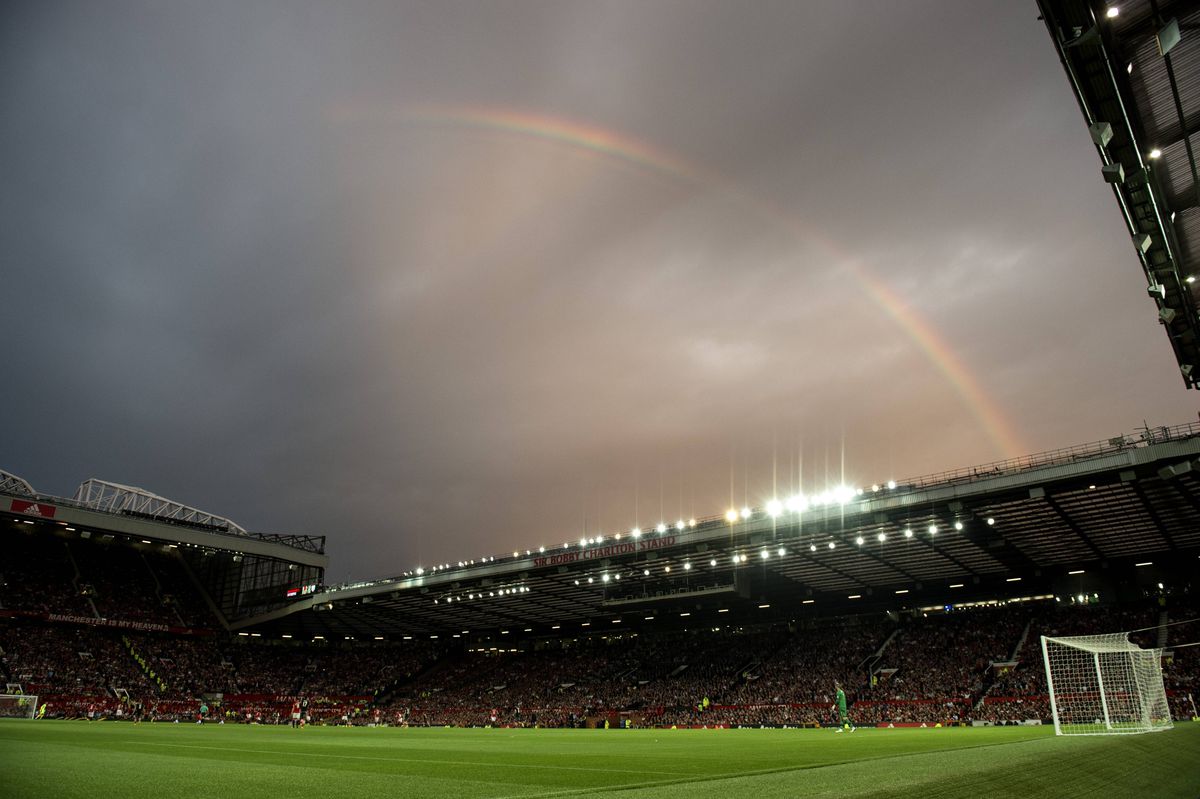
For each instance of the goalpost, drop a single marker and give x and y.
(18, 706)
(1104, 685)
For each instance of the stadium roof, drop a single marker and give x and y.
(1002, 529)
(139, 514)
(1135, 69)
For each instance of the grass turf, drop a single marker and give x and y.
(78, 759)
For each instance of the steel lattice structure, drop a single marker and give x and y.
(116, 498)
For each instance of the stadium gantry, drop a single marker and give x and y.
(1136, 76)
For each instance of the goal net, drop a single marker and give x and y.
(18, 706)
(1104, 685)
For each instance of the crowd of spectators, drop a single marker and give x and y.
(937, 669)
(45, 574)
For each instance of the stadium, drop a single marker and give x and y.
(994, 627)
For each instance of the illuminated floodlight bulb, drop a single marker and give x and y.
(958, 525)
(583, 542)
(933, 529)
(859, 540)
(712, 562)
(875, 487)
(908, 533)
(645, 572)
(636, 532)
(667, 569)
(882, 537)
(990, 521)
(420, 571)
(765, 554)
(541, 549)
(812, 547)
(736, 558)
(691, 522)
(605, 578)
(746, 513)
(843, 494)
(590, 581)
(782, 552)
(515, 554)
(1113, 12)
(891, 484)
(687, 566)
(662, 528)
(797, 503)
(832, 545)
(731, 515)
(774, 508)
(1155, 153)
(681, 524)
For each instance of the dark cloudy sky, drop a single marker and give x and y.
(442, 279)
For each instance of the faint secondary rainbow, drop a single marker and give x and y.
(610, 144)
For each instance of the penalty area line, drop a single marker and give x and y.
(541, 766)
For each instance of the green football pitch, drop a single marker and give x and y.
(68, 759)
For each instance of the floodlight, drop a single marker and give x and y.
(891, 484)
(882, 537)
(832, 545)
(908, 533)
(637, 531)
(774, 508)
(679, 525)
(712, 562)
(1155, 153)
(746, 513)
(1112, 12)
(958, 525)
(933, 529)
(662, 528)
(859, 540)
(731, 515)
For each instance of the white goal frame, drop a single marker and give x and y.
(1104, 685)
(31, 703)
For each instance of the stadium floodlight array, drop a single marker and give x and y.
(18, 706)
(1104, 685)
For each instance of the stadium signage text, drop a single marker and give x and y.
(605, 551)
(33, 508)
(122, 624)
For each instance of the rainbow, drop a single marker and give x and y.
(640, 155)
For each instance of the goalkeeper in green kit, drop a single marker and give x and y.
(843, 716)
